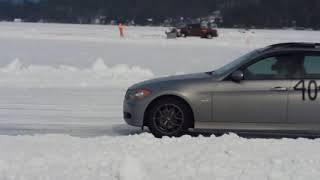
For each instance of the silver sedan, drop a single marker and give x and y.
(272, 89)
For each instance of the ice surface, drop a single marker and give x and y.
(71, 80)
(81, 45)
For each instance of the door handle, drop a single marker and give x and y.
(279, 89)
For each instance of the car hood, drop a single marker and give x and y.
(177, 78)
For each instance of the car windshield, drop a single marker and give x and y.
(226, 68)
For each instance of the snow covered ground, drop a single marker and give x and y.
(69, 80)
(142, 157)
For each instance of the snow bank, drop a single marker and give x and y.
(131, 168)
(99, 74)
(142, 157)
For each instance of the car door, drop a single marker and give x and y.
(190, 29)
(195, 31)
(261, 97)
(304, 102)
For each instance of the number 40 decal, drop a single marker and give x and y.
(311, 88)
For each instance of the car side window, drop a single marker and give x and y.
(275, 68)
(312, 67)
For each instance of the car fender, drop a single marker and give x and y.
(197, 111)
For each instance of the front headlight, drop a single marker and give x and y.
(142, 93)
(138, 94)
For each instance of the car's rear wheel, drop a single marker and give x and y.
(209, 36)
(169, 117)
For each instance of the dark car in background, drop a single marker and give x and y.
(203, 30)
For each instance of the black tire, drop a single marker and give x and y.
(177, 125)
(209, 36)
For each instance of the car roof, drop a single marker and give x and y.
(195, 24)
(299, 46)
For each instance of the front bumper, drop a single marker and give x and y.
(133, 113)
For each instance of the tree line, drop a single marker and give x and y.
(248, 13)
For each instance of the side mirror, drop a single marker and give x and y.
(237, 76)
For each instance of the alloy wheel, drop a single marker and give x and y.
(168, 118)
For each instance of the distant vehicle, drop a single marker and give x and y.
(17, 20)
(203, 30)
(269, 90)
(173, 33)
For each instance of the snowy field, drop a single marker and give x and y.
(61, 93)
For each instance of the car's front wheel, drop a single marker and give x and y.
(169, 117)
